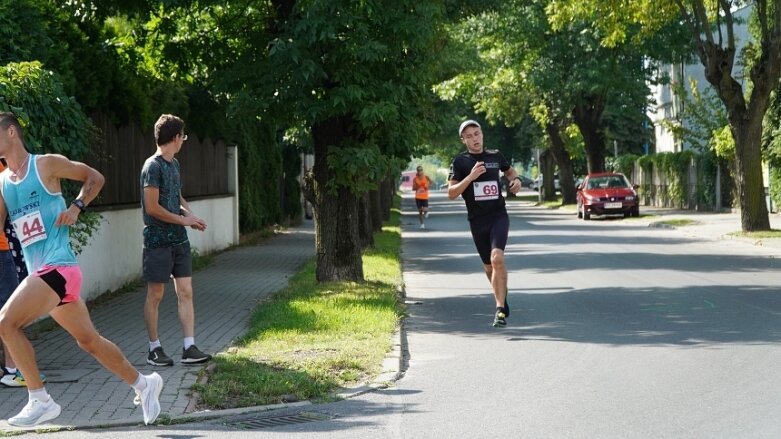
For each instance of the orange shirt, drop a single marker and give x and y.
(422, 192)
(3, 240)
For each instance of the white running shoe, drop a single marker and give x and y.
(150, 397)
(422, 226)
(36, 412)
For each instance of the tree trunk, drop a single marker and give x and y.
(588, 117)
(375, 208)
(365, 231)
(548, 166)
(560, 154)
(745, 122)
(386, 196)
(753, 207)
(336, 211)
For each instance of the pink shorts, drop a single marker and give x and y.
(64, 280)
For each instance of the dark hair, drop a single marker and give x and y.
(167, 127)
(419, 168)
(8, 119)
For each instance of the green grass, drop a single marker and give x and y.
(311, 338)
(766, 234)
(677, 222)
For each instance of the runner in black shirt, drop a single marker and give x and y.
(474, 174)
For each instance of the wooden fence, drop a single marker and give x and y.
(121, 153)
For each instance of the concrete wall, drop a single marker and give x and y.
(112, 258)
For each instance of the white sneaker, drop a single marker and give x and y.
(36, 412)
(422, 226)
(150, 397)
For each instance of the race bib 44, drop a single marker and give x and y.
(486, 190)
(30, 228)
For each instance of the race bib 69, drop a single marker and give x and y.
(486, 190)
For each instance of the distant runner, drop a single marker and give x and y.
(420, 185)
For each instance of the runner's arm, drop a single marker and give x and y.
(456, 188)
(512, 176)
(55, 167)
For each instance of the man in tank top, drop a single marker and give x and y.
(32, 198)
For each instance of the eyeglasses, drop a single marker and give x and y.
(184, 137)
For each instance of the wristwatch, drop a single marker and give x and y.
(80, 204)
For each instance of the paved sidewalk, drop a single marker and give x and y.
(713, 226)
(225, 294)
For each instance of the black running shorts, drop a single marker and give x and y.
(490, 232)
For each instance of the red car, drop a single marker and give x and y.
(607, 193)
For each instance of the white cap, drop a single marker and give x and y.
(467, 123)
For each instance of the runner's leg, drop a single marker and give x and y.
(74, 318)
(31, 300)
(498, 277)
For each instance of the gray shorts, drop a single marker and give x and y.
(163, 263)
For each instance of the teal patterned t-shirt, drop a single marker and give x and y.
(164, 175)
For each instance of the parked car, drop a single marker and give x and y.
(607, 193)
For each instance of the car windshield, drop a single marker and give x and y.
(608, 182)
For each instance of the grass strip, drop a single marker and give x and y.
(765, 234)
(312, 338)
(677, 222)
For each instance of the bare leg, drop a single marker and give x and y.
(74, 318)
(9, 359)
(154, 294)
(498, 276)
(32, 299)
(184, 294)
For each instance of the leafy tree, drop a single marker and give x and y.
(562, 76)
(53, 123)
(712, 29)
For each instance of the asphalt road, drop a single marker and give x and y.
(617, 330)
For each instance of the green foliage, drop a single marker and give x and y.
(260, 172)
(707, 168)
(723, 143)
(53, 123)
(701, 116)
(625, 164)
(291, 170)
(360, 168)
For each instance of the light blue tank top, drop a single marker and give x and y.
(33, 211)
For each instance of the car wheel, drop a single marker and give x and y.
(586, 215)
(636, 212)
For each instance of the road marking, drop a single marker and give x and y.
(712, 306)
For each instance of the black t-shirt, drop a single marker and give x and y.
(484, 195)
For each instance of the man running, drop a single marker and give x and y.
(166, 246)
(420, 185)
(32, 197)
(474, 174)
